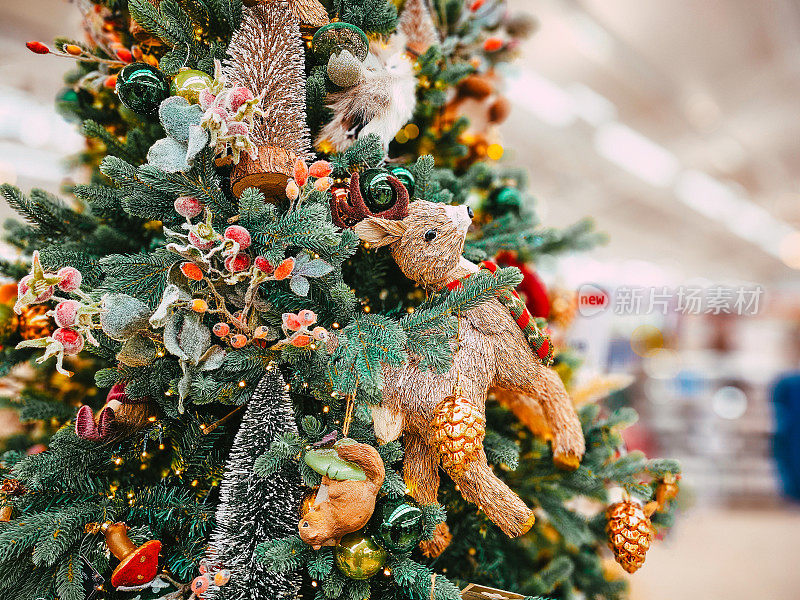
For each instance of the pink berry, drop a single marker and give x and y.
(238, 128)
(307, 317)
(263, 265)
(24, 285)
(70, 279)
(206, 98)
(238, 96)
(188, 206)
(320, 168)
(237, 263)
(221, 329)
(70, 339)
(200, 584)
(67, 313)
(199, 242)
(261, 332)
(291, 321)
(292, 191)
(240, 235)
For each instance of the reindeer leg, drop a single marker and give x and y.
(543, 385)
(478, 484)
(527, 411)
(421, 473)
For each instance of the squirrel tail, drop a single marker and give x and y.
(366, 457)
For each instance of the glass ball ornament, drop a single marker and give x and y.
(376, 190)
(358, 556)
(397, 524)
(337, 36)
(142, 88)
(188, 83)
(406, 177)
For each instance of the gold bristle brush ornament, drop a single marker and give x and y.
(630, 532)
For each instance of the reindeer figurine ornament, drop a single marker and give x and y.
(440, 427)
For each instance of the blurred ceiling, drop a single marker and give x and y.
(674, 124)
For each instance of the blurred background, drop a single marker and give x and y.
(674, 125)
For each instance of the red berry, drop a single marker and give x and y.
(240, 235)
(188, 206)
(70, 339)
(192, 271)
(199, 242)
(38, 47)
(124, 55)
(238, 340)
(492, 44)
(67, 313)
(292, 322)
(237, 263)
(320, 168)
(238, 96)
(70, 279)
(263, 265)
(110, 82)
(221, 329)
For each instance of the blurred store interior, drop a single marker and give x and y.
(674, 126)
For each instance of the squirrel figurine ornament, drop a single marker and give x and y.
(352, 473)
(499, 347)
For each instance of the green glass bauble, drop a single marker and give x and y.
(507, 196)
(71, 102)
(188, 83)
(376, 190)
(406, 177)
(397, 524)
(337, 36)
(142, 88)
(359, 557)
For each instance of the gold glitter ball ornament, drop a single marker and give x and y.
(458, 430)
(630, 533)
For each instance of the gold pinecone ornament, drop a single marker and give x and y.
(458, 430)
(629, 533)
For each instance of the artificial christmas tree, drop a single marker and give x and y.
(233, 287)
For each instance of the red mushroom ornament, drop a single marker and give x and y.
(137, 566)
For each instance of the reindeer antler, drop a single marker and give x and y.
(347, 211)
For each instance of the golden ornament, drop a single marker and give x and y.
(563, 307)
(458, 430)
(34, 324)
(358, 556)
(6, 513)
(309, 497)
(629, 533)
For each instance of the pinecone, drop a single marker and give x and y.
(31, 327)
(629, 533)
(458, 430)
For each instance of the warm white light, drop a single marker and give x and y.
(543, 98)
(637, 154)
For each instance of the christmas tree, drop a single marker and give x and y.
(319, 383)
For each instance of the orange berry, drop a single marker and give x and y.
(492, 44)
(261, 332)
(199, 305)
(73, 49)
(110, 82)
(238, 340)
(192, 271)
(284, 269)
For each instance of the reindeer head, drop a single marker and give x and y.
(426, 244)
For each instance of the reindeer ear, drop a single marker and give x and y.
(379, 232)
